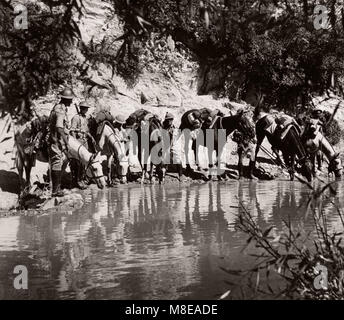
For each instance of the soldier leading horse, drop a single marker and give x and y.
(26, 159)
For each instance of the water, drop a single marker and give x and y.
(149, 242)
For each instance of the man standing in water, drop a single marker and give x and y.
(80, 131)
(58, 140)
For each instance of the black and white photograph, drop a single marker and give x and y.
(176, 150)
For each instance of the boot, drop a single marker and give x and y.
(56, 182)
(251, 168)
(181, 176)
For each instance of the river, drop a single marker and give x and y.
(145, 242)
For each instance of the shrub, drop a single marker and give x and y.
(294, 257)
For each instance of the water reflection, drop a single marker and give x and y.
(150, 242)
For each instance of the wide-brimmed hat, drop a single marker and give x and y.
(169, 116)
(120, 119)
(84, 104)
(67, 93)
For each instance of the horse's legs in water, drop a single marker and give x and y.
(144, 170)
(289, 162)
(292, 166)
(162, 173)
(313, 157)
(240, 164)
(151, 173)
(28, 173)
(109, 173)
(20, 164)
(319, 157)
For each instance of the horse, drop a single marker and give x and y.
(239, 121)
(25, 161)
(111, 145)
(315, 142)
(150, 127)
(288, 141)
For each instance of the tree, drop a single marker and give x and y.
(39, 56)
(271, 47)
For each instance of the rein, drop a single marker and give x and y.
(90, 162)
(116, 138)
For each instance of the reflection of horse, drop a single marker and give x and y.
(150, 131)
(111, 145)
(287, 140)
(239, 122)
(314, 142)
(26, 160)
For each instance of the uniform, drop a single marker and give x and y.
(79, 128)
(58, 119)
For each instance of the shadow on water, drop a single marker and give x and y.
(149, 242)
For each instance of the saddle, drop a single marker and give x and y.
(100, 128)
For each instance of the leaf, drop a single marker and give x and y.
(5, 139)
(267, 231)
(206, 18)
(225, 295)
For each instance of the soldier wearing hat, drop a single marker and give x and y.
(79, 130)
(58, 139)
(168, 123)
(118, 125)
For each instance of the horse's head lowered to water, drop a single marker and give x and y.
(94, 170)
(244, 124)
(92, 162)
(305, 168)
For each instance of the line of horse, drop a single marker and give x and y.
(298, 149)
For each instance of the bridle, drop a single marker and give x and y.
(90, 163)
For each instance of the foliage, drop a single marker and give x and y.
(268, 46)
(294, 257)
(332, 130)
(36, 58)
(163, 55)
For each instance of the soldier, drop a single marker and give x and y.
(168, 124)
(79, 130)
(58, 140)
(118, 124)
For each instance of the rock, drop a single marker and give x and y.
(8, 201)
(69, 201)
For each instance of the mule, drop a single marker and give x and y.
(239, 121)
(115, 150)
(287, 141)
(315, 142)
(25, 161)
(153, 131)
